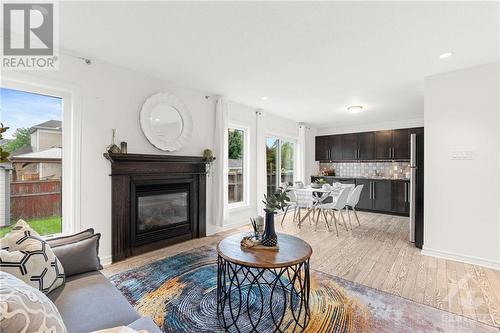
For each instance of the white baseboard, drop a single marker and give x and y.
(214, 229)
(105, 260)
(462, 258)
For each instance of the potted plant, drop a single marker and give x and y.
(278, 201)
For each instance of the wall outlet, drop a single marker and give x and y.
(462, 155)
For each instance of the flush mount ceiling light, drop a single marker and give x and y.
(445, 55)
(355, 108)
(264, 98)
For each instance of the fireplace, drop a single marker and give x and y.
(157, 211)
(157, 200)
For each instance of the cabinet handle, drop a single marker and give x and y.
(406, 192)
(373, 190)
(370, 193)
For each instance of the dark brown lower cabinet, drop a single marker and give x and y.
(400, 202)
(384, 196)
(381, 195)
(365, 199)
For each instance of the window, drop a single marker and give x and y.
(236, 166)
(279, 163)
(34, 142)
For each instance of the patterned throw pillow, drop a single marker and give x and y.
(26, 309)
(26, 256)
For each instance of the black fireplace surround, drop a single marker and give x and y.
(157, 200)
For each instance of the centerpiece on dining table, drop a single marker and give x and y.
(274, 203)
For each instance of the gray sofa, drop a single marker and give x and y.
(88, 301)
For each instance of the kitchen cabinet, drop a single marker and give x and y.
(335, 146)
(322, 148)
(365, 199)
(383, 145)
(378, 195)
(401, 144)
(400, 196)
(366, 146)
(349, 146)
(381, 195)
(380, 145)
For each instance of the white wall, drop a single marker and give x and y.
(245, 116)
(108, 96)
(111, 97)
(462, 217)
(312, 167)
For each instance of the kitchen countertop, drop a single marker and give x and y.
(370, 178)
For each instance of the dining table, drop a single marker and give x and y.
(318, 193)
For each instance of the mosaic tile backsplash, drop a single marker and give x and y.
(399, 170)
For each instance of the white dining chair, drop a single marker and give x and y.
(292, 204)
(352, 202)
(305, 200)
(337, 205)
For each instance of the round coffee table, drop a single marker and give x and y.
(258, 289)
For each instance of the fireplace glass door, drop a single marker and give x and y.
(161, 210)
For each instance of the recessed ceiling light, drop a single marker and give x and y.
(264, 98)
(445, 55)
(355, 108)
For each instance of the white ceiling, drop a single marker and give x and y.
(310, 59)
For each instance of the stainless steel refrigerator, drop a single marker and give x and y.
(417, 188)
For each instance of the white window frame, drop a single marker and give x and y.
(71, 141)
(246, 166)
(282, 137)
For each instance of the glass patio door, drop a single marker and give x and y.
(279, 163)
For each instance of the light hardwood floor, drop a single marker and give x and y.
(378, 255)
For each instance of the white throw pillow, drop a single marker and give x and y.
(28, 257)
(26, 309)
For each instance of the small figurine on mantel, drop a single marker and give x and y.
(112, 148)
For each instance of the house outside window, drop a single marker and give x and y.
(34, 143)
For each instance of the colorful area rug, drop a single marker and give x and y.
(179, 293)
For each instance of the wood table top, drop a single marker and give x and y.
(292, 250)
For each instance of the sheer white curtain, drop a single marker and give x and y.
(261, 161)
(301, 154)
(220, 209)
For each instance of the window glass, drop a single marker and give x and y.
(31, 179)
(236, 165)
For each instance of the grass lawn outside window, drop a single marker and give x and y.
(44, 226)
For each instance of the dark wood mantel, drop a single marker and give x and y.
(131, 170)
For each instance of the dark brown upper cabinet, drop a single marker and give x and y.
(366, 146)
(322, 148)
(383, 145)
(349, 147)
(401, 144)
(380, 145)
(335, 147)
